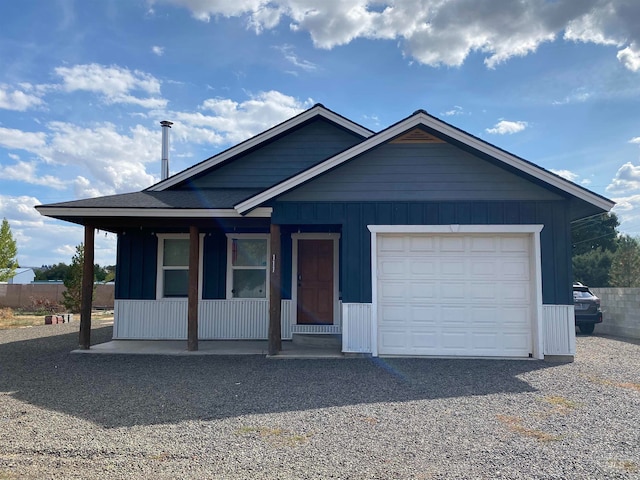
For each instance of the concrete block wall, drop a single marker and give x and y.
(620, 311)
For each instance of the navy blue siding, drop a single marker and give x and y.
(355, 274)
(136, 265)
(419, 172)
(280, 159)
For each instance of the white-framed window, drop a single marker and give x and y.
(247, 265)
(173, 265)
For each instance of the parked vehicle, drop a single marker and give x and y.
(586, 307)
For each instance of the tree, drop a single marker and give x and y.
(52, 272)
(592, 268)
(599, 232)
(72, 296)
(8, 252)
(625, 268)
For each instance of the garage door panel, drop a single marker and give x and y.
(455, 294)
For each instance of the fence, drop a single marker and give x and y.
(620, 311)
(22, 296)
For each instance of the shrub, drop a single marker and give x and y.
(6, 313)
(45, 306)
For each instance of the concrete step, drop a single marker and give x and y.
(317, 340)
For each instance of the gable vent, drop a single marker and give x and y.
(417, 136)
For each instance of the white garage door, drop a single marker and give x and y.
(454, 294)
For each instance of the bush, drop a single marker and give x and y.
(6, 313)
(45, 306)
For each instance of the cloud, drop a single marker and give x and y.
(291, 57)
(578, 96)
(504, 127)
(456, 110)
(437, 32)
(18, 140)
(635, 140)
(17, 100)
(231, 122)
(27, 172)
(567, 174)
(159, 51)
(627, 179)
(114, 83)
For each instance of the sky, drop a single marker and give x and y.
(84, 85)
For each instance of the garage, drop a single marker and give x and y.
(455, 294)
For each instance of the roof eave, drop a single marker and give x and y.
(421, 118)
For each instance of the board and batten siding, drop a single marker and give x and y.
(355, 241)
(280, 159)
(404, 172)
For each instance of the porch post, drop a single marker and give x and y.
(275, 292)
(192, 315)
(87, 288)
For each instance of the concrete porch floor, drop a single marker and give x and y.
(209, 347)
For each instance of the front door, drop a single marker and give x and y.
(315, 282)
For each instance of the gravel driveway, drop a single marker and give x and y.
(100, 416)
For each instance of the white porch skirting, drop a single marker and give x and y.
(559, 330)
(356, 330)
(217, 320)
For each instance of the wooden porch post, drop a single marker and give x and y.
(192, 315)
(275, 293)
(87, 288)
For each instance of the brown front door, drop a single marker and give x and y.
(315, 282)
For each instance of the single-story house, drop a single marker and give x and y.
(420, 239)
(22, 276)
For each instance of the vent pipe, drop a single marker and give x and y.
(164, 169)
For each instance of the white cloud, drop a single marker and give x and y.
(291, 57)
(456, 110)
(159, 51)
(17, 100)
(635, 140)
(504, 127)
(19, 140)
(630, 57)
(578, 96)
(114, 83)
(27, 172)
(627, 179)
(568, 174)
(438, 32)
(232, 122)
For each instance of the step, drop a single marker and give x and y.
(318, 340)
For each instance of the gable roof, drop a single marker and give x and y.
(317, 111)
(422, 118)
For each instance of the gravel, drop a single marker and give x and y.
(68, 416)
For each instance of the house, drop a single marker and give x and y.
(419, 240)
(22, 276)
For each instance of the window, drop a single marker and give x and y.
(247, 266)
(173, 266)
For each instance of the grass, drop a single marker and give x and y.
(515, 425)
(27, 319)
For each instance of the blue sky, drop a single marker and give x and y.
(84, 85)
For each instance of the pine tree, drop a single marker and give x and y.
(72, 296)
(8, 252)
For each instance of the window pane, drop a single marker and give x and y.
(176, 252)
(176, 283)
(249, 283)
(249, 252)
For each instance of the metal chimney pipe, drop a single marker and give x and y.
(164, 170)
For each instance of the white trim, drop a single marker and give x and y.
(230, 268)
(431, 122)
(160, 266)
(264, 212)
(294, 271)
(536, 266)
(318, 110)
